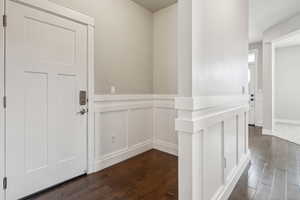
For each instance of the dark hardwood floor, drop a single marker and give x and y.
(149, 176)
(274, 174)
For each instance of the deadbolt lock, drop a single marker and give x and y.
(82, 98)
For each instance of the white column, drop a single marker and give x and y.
(190, 165)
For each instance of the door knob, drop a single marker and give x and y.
(82, 111)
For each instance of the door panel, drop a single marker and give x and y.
(46, 69)
(35, 110)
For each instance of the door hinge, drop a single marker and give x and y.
(4, 102)
(225, 163)
(4, 20)
(5, 183)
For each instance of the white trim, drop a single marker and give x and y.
(132, 97)
(199, 123)
(259, 124)
(165, 147)
(110, 98)
(108, 103)
(287, 121)
(2, 111)
(127, 106)
(225, 192)
(91, 90)
(267, 132)
(122, 155)
(206, 102)
(61, 11)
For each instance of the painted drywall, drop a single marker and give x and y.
(271, 35)
(286, 82)
(123, 44)
(165, 51)
(213, 47)
(258, 46)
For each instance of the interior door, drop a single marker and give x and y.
(46, 69)
(252, 80)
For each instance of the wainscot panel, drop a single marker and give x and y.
(213, 145)
(127, 125)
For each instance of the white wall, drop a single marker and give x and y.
(287, 82)
(165, 51)
(123, 44)
(271, 35)
(214, 54)
(135, 49)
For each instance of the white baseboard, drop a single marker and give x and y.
(267, 132)
(165, 147)
(226, 191)
(123, 155)
(117, 157)
(288, 121)
(259, 124)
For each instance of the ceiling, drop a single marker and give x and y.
(263, 13)
(292, 40)
(266, 13)
(155, 5)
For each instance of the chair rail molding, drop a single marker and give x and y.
(212, 145)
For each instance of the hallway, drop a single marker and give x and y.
(273, 174)
(274, 171)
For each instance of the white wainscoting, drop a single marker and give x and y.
(213, 145)
(165, 137)
(127, 125)
(210, 136)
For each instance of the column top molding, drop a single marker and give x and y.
(208, 102)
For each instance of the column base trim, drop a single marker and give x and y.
(225, 192)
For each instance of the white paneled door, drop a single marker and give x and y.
(46, 70)
(252, 85)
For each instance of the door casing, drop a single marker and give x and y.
(2, 110)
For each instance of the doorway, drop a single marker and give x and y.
(286, 93)
(252, 85)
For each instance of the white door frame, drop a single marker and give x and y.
(273, 46)
(55, 9)
(255, 51)
(2, 111)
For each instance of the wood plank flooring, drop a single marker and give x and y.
(149, 176)
(274, 174)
